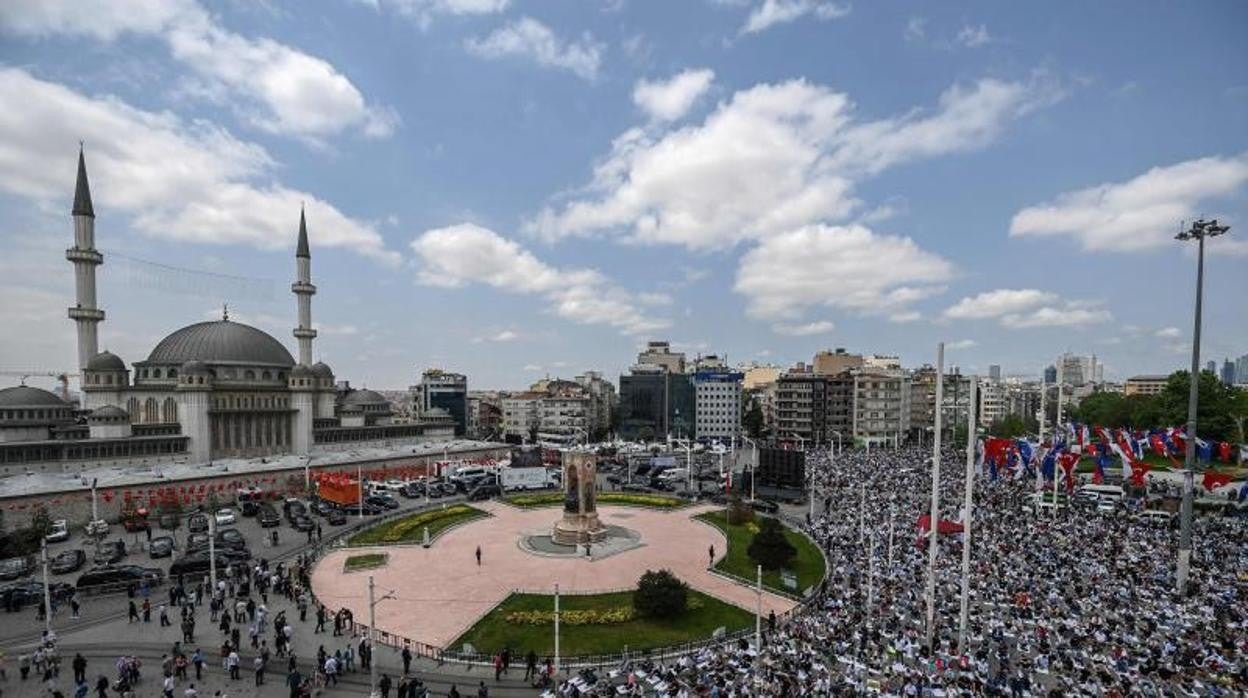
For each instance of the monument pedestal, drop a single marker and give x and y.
(580, 524)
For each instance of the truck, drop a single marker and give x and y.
(524, 478)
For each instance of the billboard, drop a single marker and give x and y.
(780, 467)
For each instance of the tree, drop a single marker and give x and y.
(660, 595)
(770, 548)
(752, 420)
(1009, 426)
(738, 512)
(40, 523)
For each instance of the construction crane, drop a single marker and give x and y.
(61, 376)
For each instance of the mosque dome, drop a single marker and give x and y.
(106, 361)
(108, 412)
(221, 342)
(364, 397)
(322, 370)
(26, 396)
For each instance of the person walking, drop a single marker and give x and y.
(80, 667)
(134, 612)
(384, 685)
(198, 660)
(74, 608)
(232, 662)
(711, 555)
(478, 556)
(258, 666)
(320, 618)
(482, 691)
(530, 665)
(407, 660)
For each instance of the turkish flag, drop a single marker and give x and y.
(1214, 480)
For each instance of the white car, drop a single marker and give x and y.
(225, 517)
(59, 531)
(99, 527)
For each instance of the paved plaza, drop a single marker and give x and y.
(440, 592)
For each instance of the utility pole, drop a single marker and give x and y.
(1044, 415)
(1200, 230)
(372, 625)
(967, 518)
(47, 593)
(212, 550)
(934, 520)
(359, 483)
(556, 630)
(758, 612)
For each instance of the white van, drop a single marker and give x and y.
(673, 475)
(1111, 494)
(467, 474)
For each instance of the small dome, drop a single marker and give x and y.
(194, 367)
(108, 412)
(106, 361)
(364, 397)
(322, 370)
(26, 396)
(301, 371)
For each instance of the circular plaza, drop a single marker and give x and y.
(435, 594)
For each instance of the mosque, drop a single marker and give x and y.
(210, 390)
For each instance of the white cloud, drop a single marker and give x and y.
(1026, 308)
(770, 159)
(505, 336)
(999, 302)
(772, 12)
(1168, 333)
(423, 12)
(668, 100)
(463, 254)
(1139, 214)
(916, 29)
(974, 36)
(532, 367)
(529, 38)
(804, 330)
(905, 316)
(1049, 316)
(961, 344)
(177, 180)
(850, 268)
(282, 89)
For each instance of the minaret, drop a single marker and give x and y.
(85, 259)
(304, 290)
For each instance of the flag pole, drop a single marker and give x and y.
(935, 508)
(967, 516)
(1044, 389)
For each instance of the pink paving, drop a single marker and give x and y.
(439, 592)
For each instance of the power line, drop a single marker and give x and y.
(167, 278)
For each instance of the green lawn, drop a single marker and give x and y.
(493, 632)
(411, 529)
(548, 499)
(808, 563)
(355, 563)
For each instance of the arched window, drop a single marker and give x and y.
(249, 375)
(281, 375)
(132, 406)
(109, 377)
(170, 410)
(151, 412)
(156, 373)
(173, 373)
(266, 376)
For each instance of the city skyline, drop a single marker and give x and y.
(929, 174)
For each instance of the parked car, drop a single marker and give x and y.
(67, 561)
(413, 490)
(302, 523)
(268, 517)
(168, 522)
(59, 532)
(161, 546)
(448, 489)
(14, 596)
(765, 506)
(234, 552)
(118, 576)
(136, 521)
(484, 491)
(230, 536)
(336, 517)
(354, 509)
(197, 523)
(197, 563)
(249, 507)
(384, 501)
(320, 507)
(110, 552)
(16, 567)
(99, 527)
(225, 517)
(291, 504)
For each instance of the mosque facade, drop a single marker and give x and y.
(210, 390)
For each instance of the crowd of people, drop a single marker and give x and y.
(1077, 601)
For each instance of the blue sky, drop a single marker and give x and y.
(512, 189)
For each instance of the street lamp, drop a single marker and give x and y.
(1200, 230)
(372, 635)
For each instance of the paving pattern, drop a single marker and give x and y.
(439, 592)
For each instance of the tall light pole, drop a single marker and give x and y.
(1200, 230)
(47, 592)
(934, 518)
(372, 635)
(967, 511)
(556, 665)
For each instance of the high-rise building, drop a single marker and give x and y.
(1228, 372)
(717, 408)
(992, 402)
(831, 363)
(659, 353)
(881, 406)
(655, 403)
(1211, 367)
(1050, 374)
(801, 407)
(994, 372)
(1241, 370)
(443, 390)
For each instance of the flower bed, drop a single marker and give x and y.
(546, 499)
(411, 529)
(602, 616)
(369, 561)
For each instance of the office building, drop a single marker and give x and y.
(717, 404)
(1145, 385)
(881, 409)
(1228, 372)
(832, 363)
(994, 372)
(443, 390)
(659, 353)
